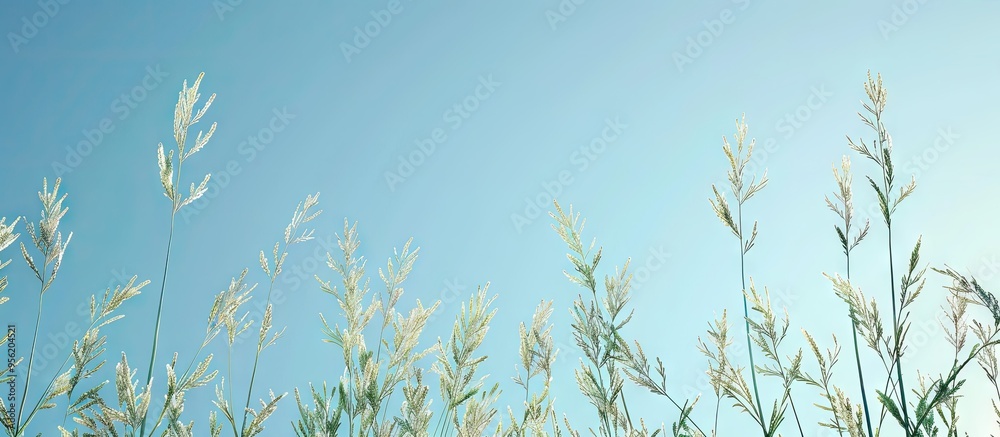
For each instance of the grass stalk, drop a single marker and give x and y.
(367, 383)
(292, 236)
(896, 336)
(881, 155)
(159, 311)
(857, 360)
(256, 360)
(845, 209)
(31, 355)
(184, 118)
(746, 317)
(742, 191)
(48, 240)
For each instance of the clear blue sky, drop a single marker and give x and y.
(454, 122)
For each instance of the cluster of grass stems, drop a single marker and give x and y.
(387, 392)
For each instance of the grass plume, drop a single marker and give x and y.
(384, 386)
(184, 117)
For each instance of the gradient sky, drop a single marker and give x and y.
(662, 83)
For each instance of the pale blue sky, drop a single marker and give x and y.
(537, 91)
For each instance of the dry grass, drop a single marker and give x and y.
(385, 390)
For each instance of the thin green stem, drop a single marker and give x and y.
(378, 355)
(597, 367)
(527, 390)
(887, 186)
(795, 413)
(857, 358)
(627, 416)
(781, 367)
(454, 418)
(600, 379)
(746, 319)
(349, 367)
(229, 369)
(184, 377)
(159, 313)
(53, 380)
(440, 421)
(693, 423)
(715, 428)
(256, 357)
(31, 354)
(952, 376)
(896, 337)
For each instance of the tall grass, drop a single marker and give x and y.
(385, 385)
(767, 335)
(184, 118)
(848, 241)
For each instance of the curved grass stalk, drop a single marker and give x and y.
(845, 209)
(184, 118)
(743, 192)
(292, 236)
(48, 240)
(881, 155)
(599, 337)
